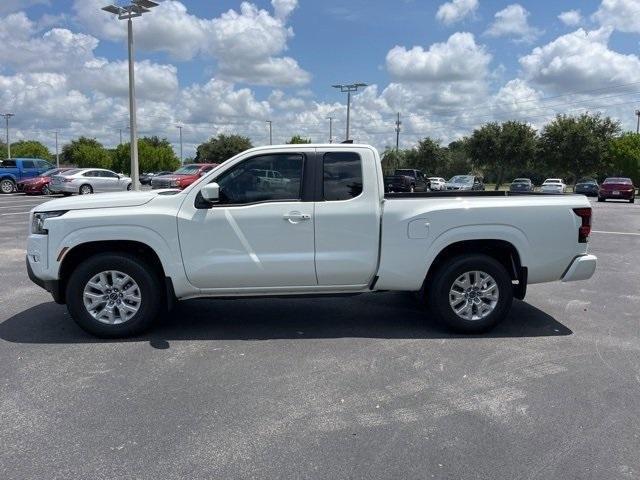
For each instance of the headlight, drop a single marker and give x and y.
(37, 222)
(174, 183)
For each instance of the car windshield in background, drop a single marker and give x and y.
(405, 172)
(547, 182)
(73, 171)
(187, 170)
(521, 180)
(462, 179)
(618, 180)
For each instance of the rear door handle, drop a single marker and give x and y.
(295, 217)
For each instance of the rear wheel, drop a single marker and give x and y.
(600, 199)
(471, 293)
(7, 185)
(632, 199)
(412, 189)
(45, 190)
(113, 295)
(129, 187)
(85, 189)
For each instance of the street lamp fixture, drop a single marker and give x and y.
(126, 12)
(348, 89)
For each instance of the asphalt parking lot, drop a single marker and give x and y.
(357, 387)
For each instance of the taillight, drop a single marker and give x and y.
(585, 227)
(67, 179)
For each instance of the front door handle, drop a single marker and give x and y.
(295, 217)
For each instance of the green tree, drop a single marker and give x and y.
(625, 156)
(391, 160)
(70, 154)
(458, 161)
(578, 146)
(154, 154)
(427, 156)
(221, 148)
(501, 149)
(298, 139)
(30, 149)
(92, 156)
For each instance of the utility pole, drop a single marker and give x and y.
(270, 133)
(120, 136)
(330, 129)
(398, 123)
(353, 87)
(179, 127)
(57, 155)
(638, 115)
(7, 116)
(135, 9)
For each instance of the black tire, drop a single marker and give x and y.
(45, 190)
(412, 189)
(442, 281)
(600, 199)
(150, 294)
(88, 189)
(7, 185)
(632, 200)
(129, 187)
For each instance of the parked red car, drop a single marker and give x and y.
(183, 177)
(618, 188)
(39, 185)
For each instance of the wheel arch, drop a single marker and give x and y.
(501, 250)
(75, 255)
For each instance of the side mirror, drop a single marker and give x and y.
(211, 192)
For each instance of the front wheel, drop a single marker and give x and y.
(45, 190)
(7, 185)
(470, 293)
(113, 295)
(85, 189)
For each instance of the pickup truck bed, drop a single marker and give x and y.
(327, 228)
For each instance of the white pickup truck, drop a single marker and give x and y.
(118, 259)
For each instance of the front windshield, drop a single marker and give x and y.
(521, 180)
(461, 179)
(187, 170)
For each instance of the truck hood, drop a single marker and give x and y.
(99, 200)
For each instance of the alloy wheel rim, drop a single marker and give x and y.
(474, 295)
(7, 187)
(85, 190)
(112, 297)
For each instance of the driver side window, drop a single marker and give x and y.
(249, 182)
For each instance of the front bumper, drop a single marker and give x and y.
(581, 268)
(51, 286)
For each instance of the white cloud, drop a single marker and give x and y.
(459, 58)
(456, 10)
(283, 8)
(248, 44)
(571, 18)
(623, 15)
(579, 60)
(513, 22)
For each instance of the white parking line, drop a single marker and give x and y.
(14, 213)
(616, 233)
(19, 205)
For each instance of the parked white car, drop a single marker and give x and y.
(89, 180)
(437, 183)
(553, 185)
(118, 259)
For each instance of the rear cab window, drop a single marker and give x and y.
(342, 176)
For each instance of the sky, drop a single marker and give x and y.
(227, 66)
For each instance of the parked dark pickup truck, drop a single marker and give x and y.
(15, 169)
(407, 180)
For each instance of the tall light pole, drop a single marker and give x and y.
(638, 115)
(398, 123)
(179, 127)
(270, 133)
(353, 87)
(135, 9)
(330, 129)
(7, 116)
(57, 155)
